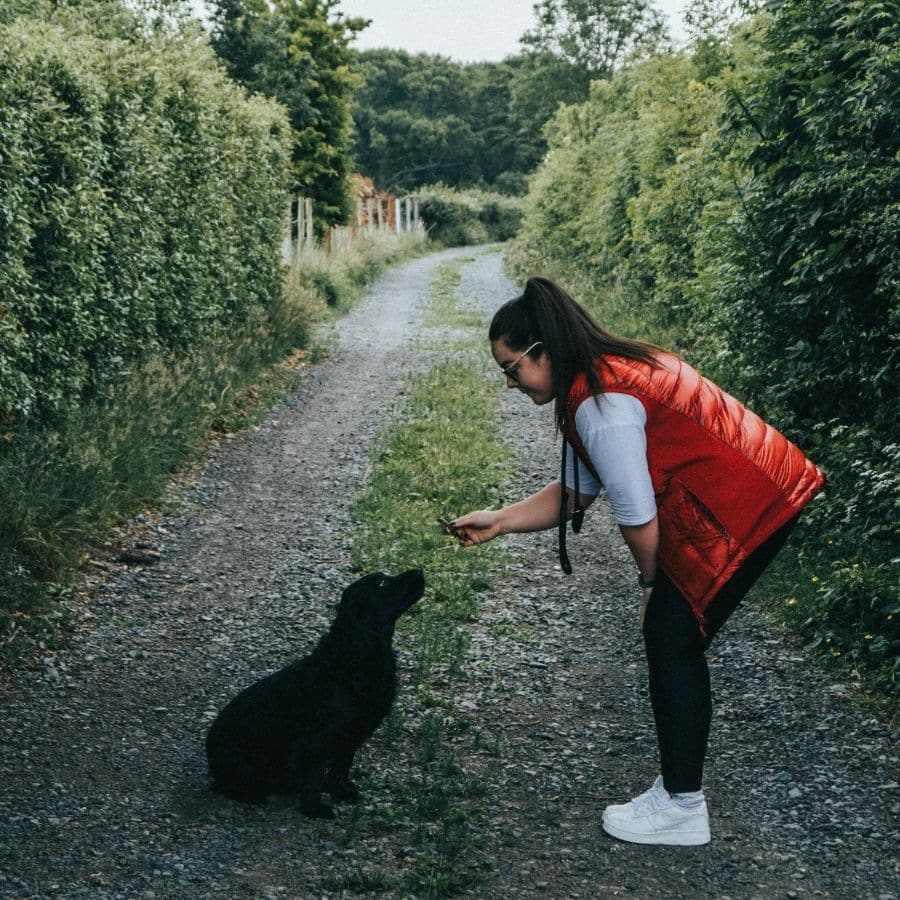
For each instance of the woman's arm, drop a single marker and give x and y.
(535, 513)
(643, 542)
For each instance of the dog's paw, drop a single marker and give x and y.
(344, 792)
(318, 810)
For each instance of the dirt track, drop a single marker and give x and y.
(104, 789)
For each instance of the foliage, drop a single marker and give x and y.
(624, 187)
(414, 120)
(337, 278)
(457, 218)
(595, 36)
(421, 119)
(806, 284)
(540, 84)
(820, 209)
(711, 24)
(142, 198)
(297, 52)
(741, 204)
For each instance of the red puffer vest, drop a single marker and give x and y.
(724, 480)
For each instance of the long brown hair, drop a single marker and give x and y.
(573, 341)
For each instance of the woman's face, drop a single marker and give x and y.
(533, 377)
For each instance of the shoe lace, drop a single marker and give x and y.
(650, 800)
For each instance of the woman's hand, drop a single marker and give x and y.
(534, 513)
(476, 527)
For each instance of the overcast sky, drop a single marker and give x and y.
(465, 30)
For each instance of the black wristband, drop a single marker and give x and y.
(645, 584)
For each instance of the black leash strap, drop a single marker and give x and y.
(577, 512)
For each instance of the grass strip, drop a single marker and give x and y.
(440, 457)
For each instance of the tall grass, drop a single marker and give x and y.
(338, 279)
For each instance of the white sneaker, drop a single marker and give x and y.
(655, 818)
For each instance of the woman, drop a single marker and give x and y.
(704, 492)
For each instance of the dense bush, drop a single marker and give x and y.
(457, 218)
(141, 196)
(743, 207)
(621, 195)
(809, 280)
(805, 286)
(141, 202)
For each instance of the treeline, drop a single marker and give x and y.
(424, 119)
(740, 202)
(421, 120)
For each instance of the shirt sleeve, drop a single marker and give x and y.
(612, 429)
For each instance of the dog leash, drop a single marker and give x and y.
(577, 512)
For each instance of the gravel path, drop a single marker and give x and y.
(104, 789)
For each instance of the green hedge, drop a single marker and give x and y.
(459, 218)
(804, 285)
(743, 208)
(141, 203)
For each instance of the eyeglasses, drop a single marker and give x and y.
(510, 370)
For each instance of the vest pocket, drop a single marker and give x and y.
(692, 539)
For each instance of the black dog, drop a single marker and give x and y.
(296, 730)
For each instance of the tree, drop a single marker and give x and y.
(423, 119)
(709, 24)
(541, 83)
(297, 51)
(595, 36)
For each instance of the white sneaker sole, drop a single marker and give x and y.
(670, 837)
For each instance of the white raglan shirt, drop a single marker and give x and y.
(612, 429)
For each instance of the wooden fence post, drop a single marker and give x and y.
(301, 222)
(287, 239)
(308, 217)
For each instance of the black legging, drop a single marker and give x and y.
(679, 675)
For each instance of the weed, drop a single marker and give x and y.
(361, 881)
